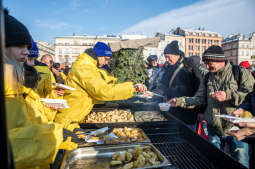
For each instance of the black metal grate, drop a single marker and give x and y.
(165, 138)
(184, 156)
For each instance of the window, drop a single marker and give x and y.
(67, 44)
(59, 50)
(66, 51)
(190, 40)
(203, 41)
(190, 47)
(190, 54)
(209, 41)
(197, 47)
(247, 53)
(204, 48)
(216, 41)
(76, 51)
(197, 40)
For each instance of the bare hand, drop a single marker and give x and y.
(242, 133)
(238, 112)
(53, 107)
(148, 94)
(220, 96)
(172, 102)
(59, 92)
(250, 125)
(140, 88)
(55, 71)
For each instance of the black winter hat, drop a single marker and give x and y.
(152, 58)
(214, 53)
(173, 48)
(15, 32)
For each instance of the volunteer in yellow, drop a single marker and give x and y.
(90, 86)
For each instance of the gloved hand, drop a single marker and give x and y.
(68, 145)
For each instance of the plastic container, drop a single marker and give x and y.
(164, 106)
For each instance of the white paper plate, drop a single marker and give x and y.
(235, 119)
(58, 103)
(62, 86)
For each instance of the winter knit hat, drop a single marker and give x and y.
(152, 58)
(102, 49)
(245, 64)
(33, 52)
(214, 53)
(173, 48)
(15, 32)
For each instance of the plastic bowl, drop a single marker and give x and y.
(164, 106)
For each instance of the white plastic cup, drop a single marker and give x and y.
(164, 106)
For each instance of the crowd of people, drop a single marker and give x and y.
(193, 89)
(199, 92)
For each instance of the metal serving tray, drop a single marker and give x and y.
(99, 157)
(146, 140)
(140, 116)
(117, 118)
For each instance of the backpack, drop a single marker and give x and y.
(237, 75)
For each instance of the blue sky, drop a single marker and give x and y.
(47, 19)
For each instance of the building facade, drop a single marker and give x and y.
(164, 40)
(68, 48)
(197, 41)
(238, 48)
(45, 48)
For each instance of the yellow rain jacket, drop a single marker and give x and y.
(44, 88)
(107, 77)
(63, 76)
(37, 110)
(85, 77)
(33, 145)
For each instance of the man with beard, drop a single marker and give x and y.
(222, 92)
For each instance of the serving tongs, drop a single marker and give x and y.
(74, 137)
(96, 133)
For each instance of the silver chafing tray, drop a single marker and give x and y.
(148, 116)
(99, 157)
(103, 140)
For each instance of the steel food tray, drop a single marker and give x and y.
(148, 116)
(145, 140)
(109, 115)
(99, 157)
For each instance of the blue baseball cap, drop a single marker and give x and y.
(102, 49)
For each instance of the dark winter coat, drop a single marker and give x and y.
(154, 72)
(185, 83)
(249, 102)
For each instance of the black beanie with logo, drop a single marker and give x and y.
(16, 33)
(214, 54)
